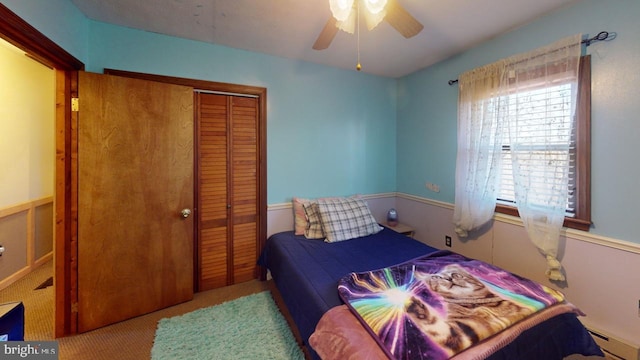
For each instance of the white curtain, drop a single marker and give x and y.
(479, 145)
(526, 104)
(540, 156)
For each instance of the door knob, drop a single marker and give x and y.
(185, 213)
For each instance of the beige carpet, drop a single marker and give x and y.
(133, 339)
(130, 339)
(38, 304)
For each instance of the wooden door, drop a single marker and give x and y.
(135, 175)
(228, 189)
(213, 190)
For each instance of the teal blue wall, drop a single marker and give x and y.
(427, 113)
(329, 131)
(59, 20)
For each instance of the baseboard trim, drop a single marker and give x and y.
(6, 282)
(43, 259)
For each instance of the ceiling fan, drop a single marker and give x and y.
(346, 13)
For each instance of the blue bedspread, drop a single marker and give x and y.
(306, 273)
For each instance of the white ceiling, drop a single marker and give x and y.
(288, 28)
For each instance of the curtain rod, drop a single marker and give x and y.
(602, 36)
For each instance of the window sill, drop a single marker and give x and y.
(573, 223)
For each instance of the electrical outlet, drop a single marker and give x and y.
(447, 240)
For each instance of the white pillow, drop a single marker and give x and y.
(346, 218)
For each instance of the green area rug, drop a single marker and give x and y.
(250, 327)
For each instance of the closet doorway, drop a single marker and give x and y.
(226, 188)
(230, 181)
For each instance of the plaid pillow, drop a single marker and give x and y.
(346, 218)
(314, 224)
(300, 221)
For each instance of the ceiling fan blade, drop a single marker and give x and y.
(326, 36)
(401, 20)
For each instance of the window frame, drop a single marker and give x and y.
(582, 216)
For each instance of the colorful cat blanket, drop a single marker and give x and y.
(441, 304)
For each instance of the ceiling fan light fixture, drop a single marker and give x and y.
(346, 17)
(341, 9)
(373, 20)
(348, 25)
(375, 6)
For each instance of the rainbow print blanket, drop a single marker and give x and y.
(438, 305)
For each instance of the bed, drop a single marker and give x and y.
(307, 273)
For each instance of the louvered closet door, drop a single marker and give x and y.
(228, 189)
(212, 191)
(244, 184)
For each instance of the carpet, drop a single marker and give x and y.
(250, 327)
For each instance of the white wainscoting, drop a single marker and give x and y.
(603, 274)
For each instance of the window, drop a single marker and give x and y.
(555, 123)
